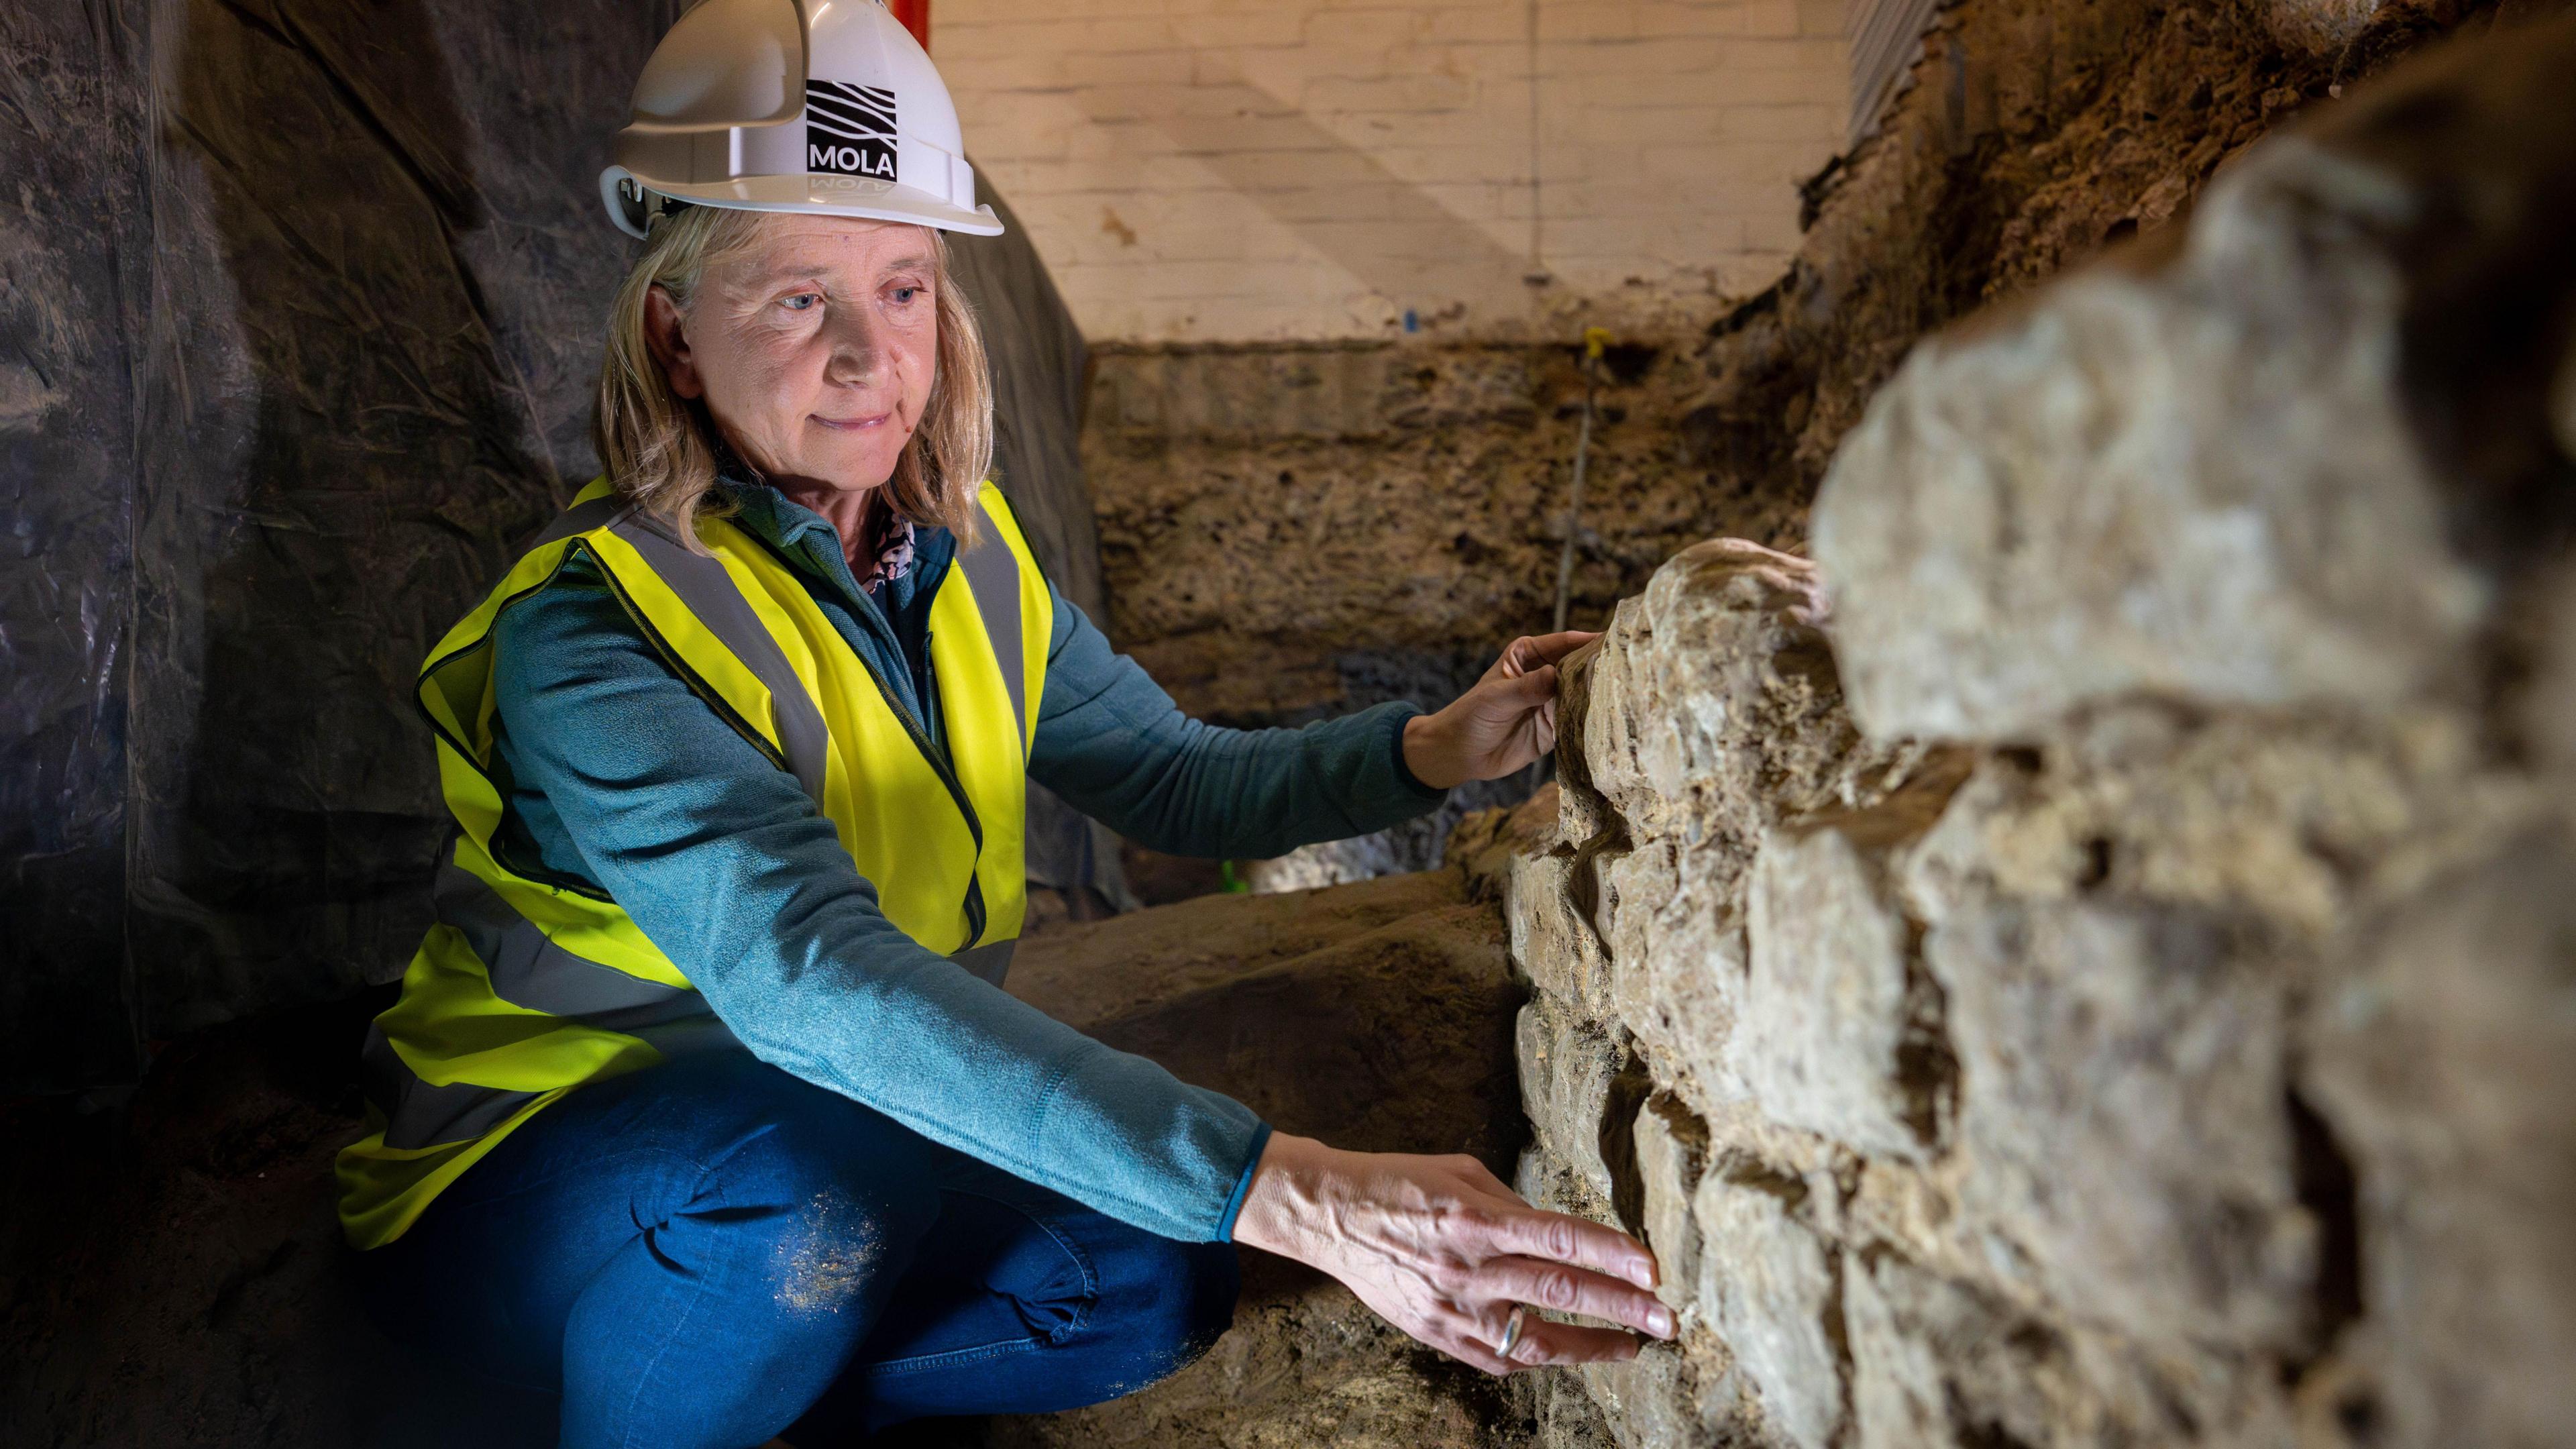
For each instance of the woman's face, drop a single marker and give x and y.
(813, 348)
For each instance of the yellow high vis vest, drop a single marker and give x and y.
(525, 989)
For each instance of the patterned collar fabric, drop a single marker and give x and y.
(890, 540)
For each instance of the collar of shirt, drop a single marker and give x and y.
(889, 626)
(912, 557)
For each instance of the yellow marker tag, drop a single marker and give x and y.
(1595, 339)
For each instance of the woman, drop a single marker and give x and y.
(701, 1105)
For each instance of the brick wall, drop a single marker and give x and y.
(1240, 170)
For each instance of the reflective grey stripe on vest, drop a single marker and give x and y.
(528, 969)
(992, 960)
(580, 518)
(420, 1115)
(712, 595)
(993, 577)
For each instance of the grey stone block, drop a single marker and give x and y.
(1826, 1001)
(2201, 480)
(2122, 1113)
(1767, 1287)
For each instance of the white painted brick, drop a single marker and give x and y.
(1804, 124)
(1509, 59)
(1324, 172)
(1768, 88)
(1783, 161)
(1615, 195)
(1826, 18)
(1369, 29)
(1479, 22)
(1223, 137)
(1277, 25)
(1128, 67)
(1613, 240)
(1033, 70)
(997, 147)
(1123, 146)
(1309, 168)
(1654, 125)
(1431, 168)
(1172, 101)
(1654, 21)
(955, 15)
(1771, 17)
(1389, 93)
(1817, 57)
(1006, 120)
(1572, 97)
(1499, 123)
(1636, 59)
(1418, 5)
(1586, 22)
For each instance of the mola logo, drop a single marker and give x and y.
(849, 130)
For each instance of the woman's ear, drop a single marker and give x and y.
(670, 348)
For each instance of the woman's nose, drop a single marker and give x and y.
(857, 350)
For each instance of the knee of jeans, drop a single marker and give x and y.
(1178, 1301)
(841, 1243)
(844, 1194)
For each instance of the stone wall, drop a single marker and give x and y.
(2114, 981)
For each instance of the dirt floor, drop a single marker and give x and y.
(1376, 1015)
(172, 1274)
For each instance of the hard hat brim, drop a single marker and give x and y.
(818, 194)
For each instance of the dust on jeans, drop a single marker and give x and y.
(828, 1257)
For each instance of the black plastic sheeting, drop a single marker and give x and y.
(72, 236)
(300, 307)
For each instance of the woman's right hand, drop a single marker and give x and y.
(1440, 1248)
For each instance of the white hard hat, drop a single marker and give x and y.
(826, 106)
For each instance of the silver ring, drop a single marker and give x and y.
(1512, 1331)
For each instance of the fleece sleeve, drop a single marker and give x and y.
(726, 865)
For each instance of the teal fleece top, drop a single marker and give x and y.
(621, 779)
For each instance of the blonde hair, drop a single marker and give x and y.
(662, 451)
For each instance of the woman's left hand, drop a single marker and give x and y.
(1501, 725)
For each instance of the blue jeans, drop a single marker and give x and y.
(711, 1252)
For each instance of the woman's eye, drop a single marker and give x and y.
(803, 301)
(903, 295)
